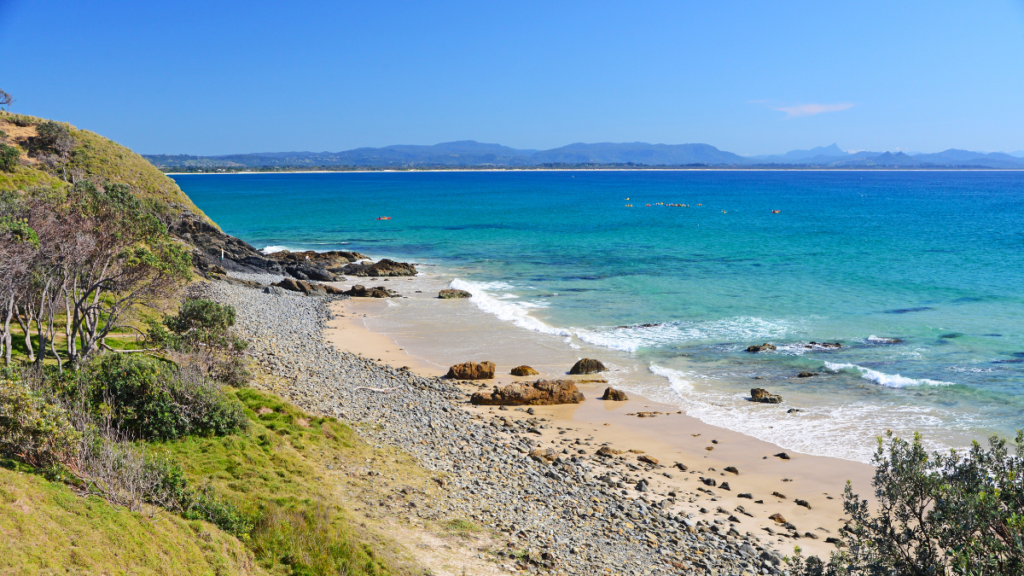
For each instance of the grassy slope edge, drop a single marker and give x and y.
(100, 158)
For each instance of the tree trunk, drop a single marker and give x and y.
(25, 328)
(6, 344)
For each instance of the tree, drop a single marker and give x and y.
(18, 245)
(55, 138)
(9, 156)
(960, 513)
(6, 99)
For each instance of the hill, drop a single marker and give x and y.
(92, 157)
(469, 154)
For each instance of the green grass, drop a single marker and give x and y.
(461, 527)
(274, 475)
(103, 159)
(45, 528)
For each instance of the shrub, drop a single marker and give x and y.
(202, 504)
(961, 513)
(9, 156)
(199, 322)
(153, 400)
(33, 428)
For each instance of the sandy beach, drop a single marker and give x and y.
(670, 437)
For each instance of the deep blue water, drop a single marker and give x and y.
(918, 274)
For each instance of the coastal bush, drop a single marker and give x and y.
(961, 513)
(153, 400)
(9, 156)
(34, 429)
(202, 330)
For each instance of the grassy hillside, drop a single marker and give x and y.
(45, 528)
(96, 158)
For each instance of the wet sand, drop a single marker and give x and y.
(670, 437)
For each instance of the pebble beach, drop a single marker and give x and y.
(533, 477)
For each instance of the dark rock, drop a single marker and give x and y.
(607, 451)
(803, 503)
(806, 374)
(359, 291)
(778, 518)
(725, 486)
(824, 345)
(782, 455)
(614, 395)
(779, 495)
(306, 272)
(746, 495)
(642, 486)
(762, 348)
(587, 366)
(448, 294)
(524, 371)
(763, 396)
(383, 268)
(541, 392)
(209, 244)
(647, 459)
(681, 466)
(472, 371)
(332, 261)
(732, 469)
(709, 481)
(792, 410)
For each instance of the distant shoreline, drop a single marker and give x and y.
(392, 171)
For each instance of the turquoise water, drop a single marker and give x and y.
(918, 274)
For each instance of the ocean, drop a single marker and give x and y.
(918, 275)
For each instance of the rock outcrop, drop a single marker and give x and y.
(824, 345)
(360, 291)
(450, 293)
(587, 366)
(332, 261)
(763, 396)
(615, 395)
(762, 348)
(472, 371)
(524, 371)
(306, 287)
(539, 393)
(806, 374)
(209, 244)
(383, 268)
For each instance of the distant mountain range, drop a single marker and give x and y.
(468, 153)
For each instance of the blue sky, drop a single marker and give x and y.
(749, 77)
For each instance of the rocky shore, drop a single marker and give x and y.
(557, 503)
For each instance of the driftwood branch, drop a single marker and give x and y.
(381, 390)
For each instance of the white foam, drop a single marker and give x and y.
(635, 337)
(880, 340)
(514, 312)
(272, 249)
(846, 430)
(887, 380)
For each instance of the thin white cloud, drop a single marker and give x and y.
(812, 109)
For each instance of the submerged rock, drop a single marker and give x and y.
(615, 395)
(524, 370)
(806, 374)
(762, 348)
(763, 396)
(587, 366)
(539, 393)
(450, 293)
(472, 371)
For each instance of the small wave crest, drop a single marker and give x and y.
(632, 338)
(505, 310)
(887, 380)
(272, 249)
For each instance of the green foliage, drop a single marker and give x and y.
(204, 504)
(154, 400)
(19, 230)
(9, 156)
(961, 513)
(33, 428)
(199, 322)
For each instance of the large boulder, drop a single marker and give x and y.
(307, 272)
(524, 371)
(539, 393)
(587, 366)
(615, 395)
(383, 268)
(762, 348)
(472, 371)
(303, 287)
(763, 396)
(359, 291)
(449, 293)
